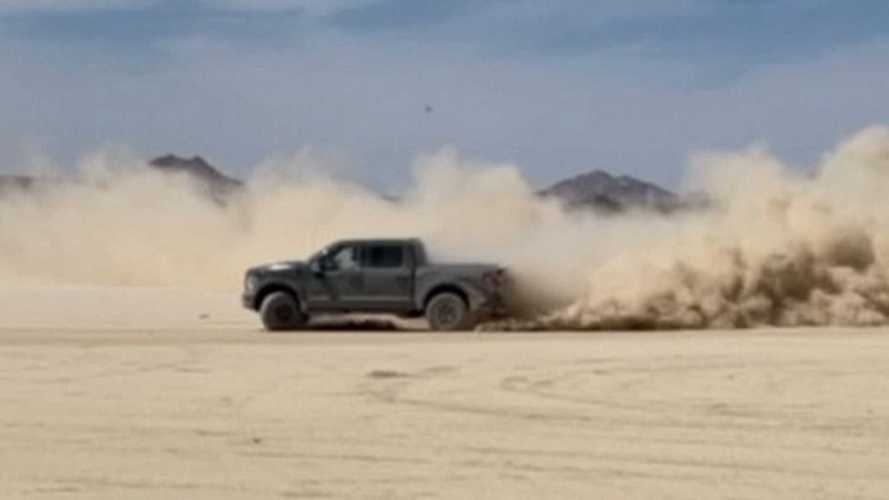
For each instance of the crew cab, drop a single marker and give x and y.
(386, 276)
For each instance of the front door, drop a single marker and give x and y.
(340, 285)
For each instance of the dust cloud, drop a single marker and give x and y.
(775, 247)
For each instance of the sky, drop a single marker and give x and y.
(557, 88)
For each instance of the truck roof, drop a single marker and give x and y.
(399, 241)
(419, 250)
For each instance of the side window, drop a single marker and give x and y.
(385, 256)
(344, 258)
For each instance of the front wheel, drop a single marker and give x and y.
(280, 311)
(448, 312)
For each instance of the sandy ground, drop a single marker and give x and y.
(146, 393)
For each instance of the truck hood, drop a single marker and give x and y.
(276, 267)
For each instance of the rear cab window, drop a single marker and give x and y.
(384, 256)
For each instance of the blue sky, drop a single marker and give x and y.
(556, 87)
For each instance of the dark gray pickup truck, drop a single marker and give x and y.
(375, 276)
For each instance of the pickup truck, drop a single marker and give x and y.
(391, 276)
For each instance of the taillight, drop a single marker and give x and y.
(495, 279)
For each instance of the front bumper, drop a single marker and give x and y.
(248, 300)
(251, 286)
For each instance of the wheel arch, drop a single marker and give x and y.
(445, 288)
(271, 288)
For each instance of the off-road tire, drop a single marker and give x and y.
(280, 311)
(448, 312)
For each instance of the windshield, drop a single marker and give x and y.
(338, 256)
(319, 254)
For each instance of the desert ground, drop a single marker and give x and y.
(111, 393)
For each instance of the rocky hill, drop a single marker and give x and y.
(603, 192)
(596, 190)
(15, 182)
(208, 177)
(218, 184)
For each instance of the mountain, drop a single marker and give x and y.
(596, 190)
(15, 183)
(608, 193)
(218, 184)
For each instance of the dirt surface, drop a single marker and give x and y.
(110, 393)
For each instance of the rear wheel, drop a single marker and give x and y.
(448, 312)
(280, 311)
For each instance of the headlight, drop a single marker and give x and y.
(250, 282)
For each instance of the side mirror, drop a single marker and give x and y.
(315, 267)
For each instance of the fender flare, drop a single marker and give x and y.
(442, 287)
(276, 286)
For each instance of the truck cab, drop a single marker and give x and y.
(363, 276)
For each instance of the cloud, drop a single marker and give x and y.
(312, 7)
(400, 14)
(142, 27)
(742, 33)
(724, 38)
(317, 7)
(68, 5)
(728, 36)
(519, 80)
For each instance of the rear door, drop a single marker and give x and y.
(388, 276)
